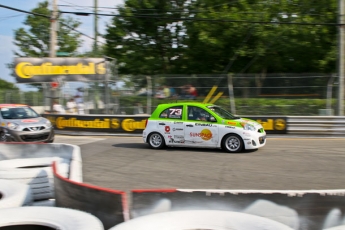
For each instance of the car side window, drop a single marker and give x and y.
(172, 113)
(199, 114)
(5, 114)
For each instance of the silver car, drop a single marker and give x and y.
(20, 123)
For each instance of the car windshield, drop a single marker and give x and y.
(223, 113)
(18, 113)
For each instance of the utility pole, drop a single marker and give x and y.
(95, 46)
(52, 54)
(341, 57)
(53, 29)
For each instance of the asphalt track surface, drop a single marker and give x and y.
(285, 163)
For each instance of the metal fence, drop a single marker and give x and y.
(249, 94)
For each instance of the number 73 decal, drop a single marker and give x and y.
(176, 112)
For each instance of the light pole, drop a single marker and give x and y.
(53, 31)
(341, 67)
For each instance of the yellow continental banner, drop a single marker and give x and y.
(273, 124)
(62, 123)
(129, 125)
(28, 70)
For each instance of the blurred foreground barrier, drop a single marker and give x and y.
(265, 209)
(70, 154)
(108, 205)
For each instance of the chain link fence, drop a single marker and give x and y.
(243, 94)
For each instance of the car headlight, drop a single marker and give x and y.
(12, 125)
(250, 127)
(48, 123)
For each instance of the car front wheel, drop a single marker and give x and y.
(232, 143)
(3, 137)
(156, 141)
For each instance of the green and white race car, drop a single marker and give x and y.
(192, 124)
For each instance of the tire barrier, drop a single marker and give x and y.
(110, 206)
(48, 217)
(296, 209)
(37, 172)
(70, 155)
(30, 163)
(14, 194)
(292, 209)
(45, 203)
(201, 219)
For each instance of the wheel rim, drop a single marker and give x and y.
(156, 140)
(233, 143)
(2, 137)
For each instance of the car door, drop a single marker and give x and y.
(170, 125)
(200, 128)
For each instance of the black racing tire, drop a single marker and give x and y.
(156, 141)
(50, 141)
(232, 143)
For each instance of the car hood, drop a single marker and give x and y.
(241, 120)
(28, 121)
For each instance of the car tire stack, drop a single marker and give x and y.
(35, 172)
(14, 194)
(48, 217)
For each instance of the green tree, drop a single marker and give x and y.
(33, 40)
(5, 85)
(245, 47)
(276, 47)
(257, 41)
(143, 44)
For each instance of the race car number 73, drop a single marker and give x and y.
(175, 111)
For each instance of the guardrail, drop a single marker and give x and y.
(316, 125)
(134, 124)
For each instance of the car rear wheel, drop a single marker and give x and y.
(156, 141)
(3, 137)
(232, 143)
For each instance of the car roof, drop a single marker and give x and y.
(185, 103)
(12, 105)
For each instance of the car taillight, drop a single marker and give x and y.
(146, 122)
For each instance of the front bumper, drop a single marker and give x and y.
(255, 141)
(144, 137)
(46, 135)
